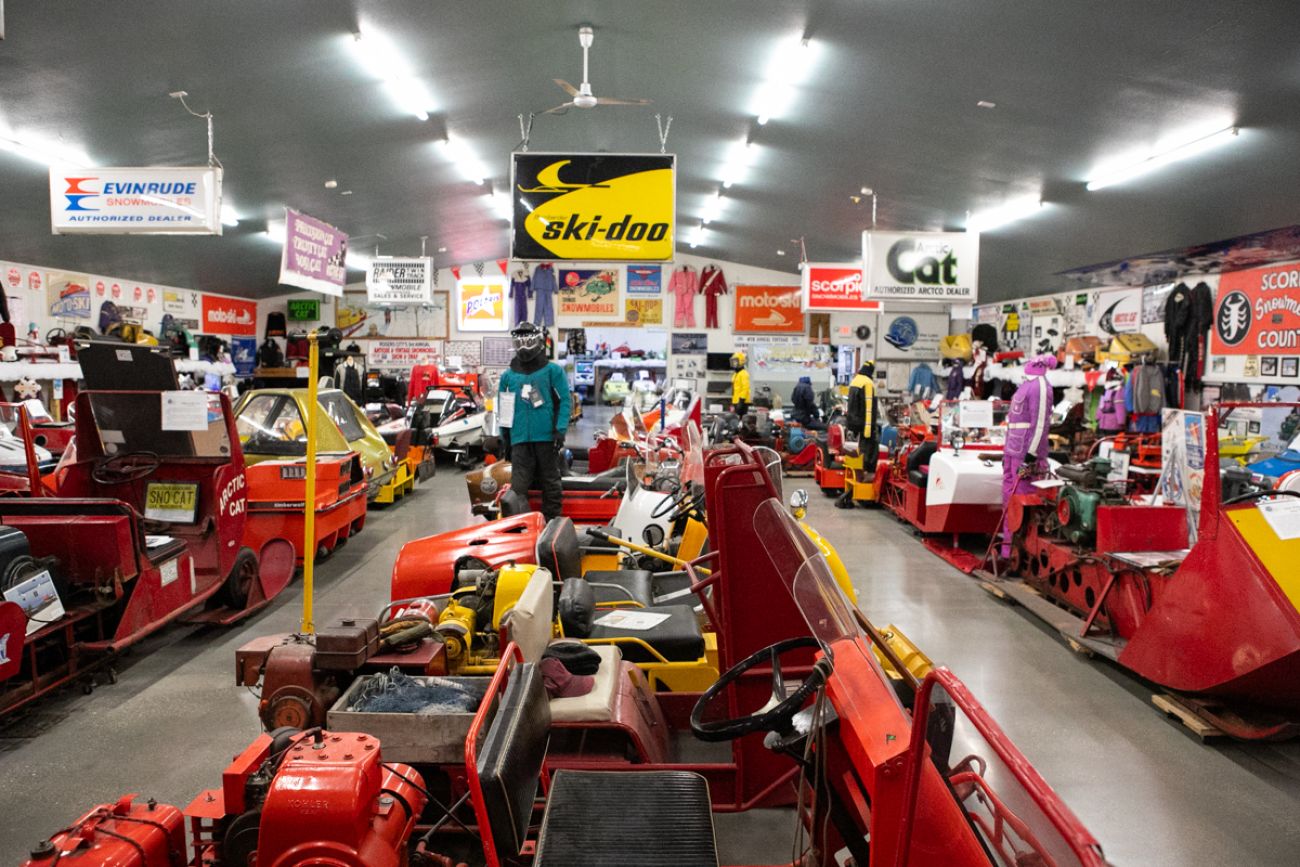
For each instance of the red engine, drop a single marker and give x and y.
(125, 834)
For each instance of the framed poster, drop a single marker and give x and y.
(481, 303)
(911, 336)
(589, 293)
(358, 319)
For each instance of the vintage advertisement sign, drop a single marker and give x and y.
(68, 294)
(911, 335)
(768, 310)
(922, 266)
(1257, 312)
(589, 293)
(1182, 448)
(135, 201)
(315, 255)
(173, 302)
(402, 354)
(243, 354)
(481, 303)
(303, 309)
(400, 281)
(644, 279)
(1116, 311)
(593, 207)
(644, 311)
(228, 316)
(836, 287)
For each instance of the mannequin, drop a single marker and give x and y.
(740, 390)
(349, 379)
(956, 379)
(1024, 458)
(860, 424)
(540, 391)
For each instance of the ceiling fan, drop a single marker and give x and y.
(581, 96)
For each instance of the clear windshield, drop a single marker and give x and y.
(771, 461)
(973, 422)
(132, 422)
(271, 424)
(693, 463)
(344, 413)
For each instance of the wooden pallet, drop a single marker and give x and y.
(1064, 622)
(1184, 713)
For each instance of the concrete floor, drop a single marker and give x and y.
(1151, 793)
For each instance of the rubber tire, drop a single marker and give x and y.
(238, 585)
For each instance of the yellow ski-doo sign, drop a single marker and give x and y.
(593, 207)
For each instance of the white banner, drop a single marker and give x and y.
(922, 266)
(400, 281)
(130, 201)
(402, 354)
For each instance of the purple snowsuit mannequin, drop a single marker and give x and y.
(1024, 458)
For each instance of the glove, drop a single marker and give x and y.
(559, 440)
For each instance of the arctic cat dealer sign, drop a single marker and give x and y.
(922, 266)
(143, 201)
(1257, 312)
(593, 207)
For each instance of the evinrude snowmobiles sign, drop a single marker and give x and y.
(593, 207)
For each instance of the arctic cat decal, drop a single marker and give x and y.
(610, 207)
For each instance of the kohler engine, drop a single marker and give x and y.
(1077, 502)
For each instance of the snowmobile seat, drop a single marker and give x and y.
(675, 637)
(559, 552)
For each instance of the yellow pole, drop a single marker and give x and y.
(309, 500)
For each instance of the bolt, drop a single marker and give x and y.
(386, 800)
(347, 756)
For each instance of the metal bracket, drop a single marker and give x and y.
(525, 131)
(663, 131)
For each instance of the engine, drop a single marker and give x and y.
(123, 834)
(1077, 502)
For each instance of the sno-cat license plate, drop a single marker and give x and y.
(171, 501)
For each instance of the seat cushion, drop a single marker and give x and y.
(600, 482)
(597, 705)
(630, 585)
(510, 760)
(677, 639)
(529, 620)
(600, 819)
(918, 478)
(557, 549)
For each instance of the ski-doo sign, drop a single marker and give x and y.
(922, 266)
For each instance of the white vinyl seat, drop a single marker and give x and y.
(597, 705)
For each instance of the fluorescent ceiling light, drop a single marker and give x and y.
(695, 237)
(44, 151)
(381, 59)
(358, 260)
(740, 158)
(1167, 151)
(788, 67)
(464, 159)
(993, 218)
(501, 205)
(228, 215)
(276, 231)
(712, 209)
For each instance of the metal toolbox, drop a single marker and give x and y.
(414, 738)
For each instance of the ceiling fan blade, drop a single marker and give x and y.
(559, 108)
(605, 100)
(566, 87)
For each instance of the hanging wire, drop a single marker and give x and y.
(663, 131)
(180, 95)
(525, 131)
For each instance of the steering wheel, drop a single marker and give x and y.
(777, 714)
(1255, 495)
(54, 334)
(117, 471)
(682, 504)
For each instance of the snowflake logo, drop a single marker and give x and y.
(1233, 321)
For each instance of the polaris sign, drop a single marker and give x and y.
(140, 201)
(922, 266)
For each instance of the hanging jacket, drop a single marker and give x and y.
(1110, 412)
(922, 383)
(1148, 388)
(543, 279)
(1201, 319)
(1178, 320)
(956, 382)
(712, 282)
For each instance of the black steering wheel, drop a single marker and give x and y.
(683, 504)
(1255, 495)
(777, 714)
(126, 467)
(54, 334)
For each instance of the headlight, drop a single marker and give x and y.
(488, 485)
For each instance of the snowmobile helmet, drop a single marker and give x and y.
(529, 340)
(868, 368)
(737, 361)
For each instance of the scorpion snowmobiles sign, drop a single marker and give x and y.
(1258, 312)
(593, 207)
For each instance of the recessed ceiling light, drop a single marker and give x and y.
(866, 191)
(780, 252)
(442, 249)
(346, 193)
(331, 184)
(984, 103)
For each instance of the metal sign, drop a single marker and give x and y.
(315, 254)
(135, 201)
(829, 286)
(593, 207)
(922, 266)
(400, 281)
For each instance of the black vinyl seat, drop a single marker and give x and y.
(602, 481)
(918, 463)
(559, 552)
(593, 818)
(599, 819)
(676, 638)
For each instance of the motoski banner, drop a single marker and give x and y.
(1258, 312)
(593, 207)
(315, 255)
(768, 310)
